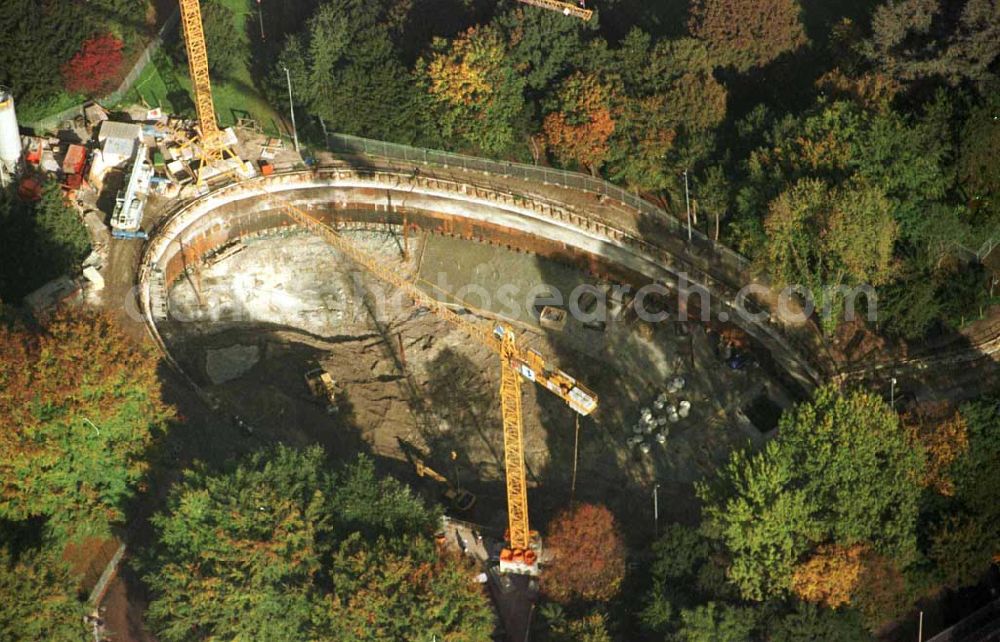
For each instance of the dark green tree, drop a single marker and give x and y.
(64, 239)
(41, 240)
(684, 573)
(40, 601)
(279, 548)
(29, 63)
(239, 554)
(544, 46)
(810, 623)
(347, 71)
(841, 470)
(226, 46)
(714, 622)
(371, 505)
(915, 39)
(979, 171)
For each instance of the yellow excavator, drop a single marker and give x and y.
(458, 498)
(521, 554)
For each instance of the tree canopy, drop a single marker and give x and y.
(588, 555)
(747, 33)
(39, 38)
(914, 39)
(278, 547)
(474, 90)
(40, 600)
(842, 470)
(80, 408)
(41, 240)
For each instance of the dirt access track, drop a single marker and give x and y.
(603, 237)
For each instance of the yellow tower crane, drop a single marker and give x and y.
(565, 8)
(211, 141)
(515, 363)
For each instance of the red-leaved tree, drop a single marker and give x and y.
(94, 69)
(588, 555)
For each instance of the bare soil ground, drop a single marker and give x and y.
(405, 374)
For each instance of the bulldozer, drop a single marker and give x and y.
(323, 387)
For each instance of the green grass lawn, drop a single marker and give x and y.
(166, 84)
(36, 111)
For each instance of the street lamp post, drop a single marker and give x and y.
(687, 203)
(454, 461)
(892, 393)
(291, 108)
(260, 16)
(656, 510)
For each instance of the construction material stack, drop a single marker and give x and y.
(213, 147)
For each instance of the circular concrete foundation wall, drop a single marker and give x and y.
(384, 198)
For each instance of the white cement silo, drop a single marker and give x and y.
(10, 137)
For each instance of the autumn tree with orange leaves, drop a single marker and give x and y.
(475, 92)
(579, 130)
(588, 555)
(944, 436)
(80, 406)
(830, 575)
(747, 33)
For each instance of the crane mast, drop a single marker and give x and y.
(513, 452)
(211, 140)
(515, 363)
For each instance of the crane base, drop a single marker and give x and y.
(519, 568)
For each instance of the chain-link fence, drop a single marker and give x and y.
(345, 144)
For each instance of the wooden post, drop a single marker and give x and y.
(406, 239)
(576, 446)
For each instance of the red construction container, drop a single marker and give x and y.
(76, 156)
(34, 153)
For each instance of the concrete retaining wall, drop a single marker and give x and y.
(396, 190)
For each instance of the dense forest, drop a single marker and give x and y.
(834, 147)
(832, 143)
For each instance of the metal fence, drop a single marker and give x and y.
(345, 144)
(53, 121)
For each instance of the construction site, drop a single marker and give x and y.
(505, 343)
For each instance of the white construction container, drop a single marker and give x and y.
(10, 137)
